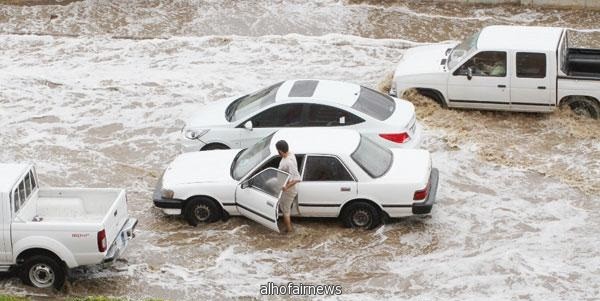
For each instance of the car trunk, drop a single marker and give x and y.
(417, 161)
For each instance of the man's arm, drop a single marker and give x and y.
(290, 184)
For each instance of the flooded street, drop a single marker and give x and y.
(96, 92)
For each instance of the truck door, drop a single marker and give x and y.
(6, 219)
(258, 197)
(481, 82)
(531, 88)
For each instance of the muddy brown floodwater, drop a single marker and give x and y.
(95, 93)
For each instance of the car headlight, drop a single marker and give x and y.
(194, 134)
(167, 193)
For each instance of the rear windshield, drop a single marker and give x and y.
(251, 103)
(374, 104)
(373, 158)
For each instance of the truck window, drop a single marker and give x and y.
(485, 63)
(531, 65)
(28, 184)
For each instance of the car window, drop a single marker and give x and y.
(287, 115)
(249, 158)
(251, 103)
(531, 65)
(16, 200)
(33, 183)
(325, 168)
(485, 63)
(322, 115)
(374, 104)
(373, 158)
(269, 181)
(274, 163)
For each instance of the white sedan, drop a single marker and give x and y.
(344, 174)
(242, 121)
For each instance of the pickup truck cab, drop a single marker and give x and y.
(46, 231)
(512, 68)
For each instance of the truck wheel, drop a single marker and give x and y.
(361, 215)
(201, 210)
(213, 146)
(584, 106)
(43, 271)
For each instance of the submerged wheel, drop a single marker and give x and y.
(584, 106)
(201, 210)
(361, 215)
(212, 146)
(43, 271)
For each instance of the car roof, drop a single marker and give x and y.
(318, 141)
(532, 38)
(341, 93)
(9, 174)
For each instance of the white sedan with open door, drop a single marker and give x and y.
(344, 174)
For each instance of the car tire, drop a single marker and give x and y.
(213, 146)
(201, 210)
(584, 106)
(43, 271)
(361, 215)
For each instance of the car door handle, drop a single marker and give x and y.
(345, 189)
(270, 204)
(501, 86)
(541, 87)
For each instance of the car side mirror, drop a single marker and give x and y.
(246, 184)
(469, 73)
(248, 125)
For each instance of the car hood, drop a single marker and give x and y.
(409, 166)
(209, 115)
(200, 167)
(423, 59)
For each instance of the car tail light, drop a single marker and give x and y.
(398, 137)
(421, 194)
(102, 241)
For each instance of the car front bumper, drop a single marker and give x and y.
(425, 206)
(120, 243)
(168, 206)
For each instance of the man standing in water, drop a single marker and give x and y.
(288, 164)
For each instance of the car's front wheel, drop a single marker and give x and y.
(213, 146)
(361, 215)
(201, 210)
(43, 271)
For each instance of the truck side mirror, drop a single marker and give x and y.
(469, 73)
(248, 125)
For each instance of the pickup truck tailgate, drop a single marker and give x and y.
(116, 218)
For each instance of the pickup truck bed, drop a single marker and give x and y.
(66, 205)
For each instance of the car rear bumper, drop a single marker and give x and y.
(120, 243)
(425, 206)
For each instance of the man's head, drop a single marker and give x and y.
(282, 147)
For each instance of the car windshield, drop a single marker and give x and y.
(373, 158)
(250, 103)
(248, 158)
(462, 50)
(374, 104)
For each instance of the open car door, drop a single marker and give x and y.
(258, 197)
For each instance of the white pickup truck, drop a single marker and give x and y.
(512, 68)
(46, 231)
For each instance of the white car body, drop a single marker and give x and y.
(65, 222)
(306, 103)
(212, 175)
(542, 72)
